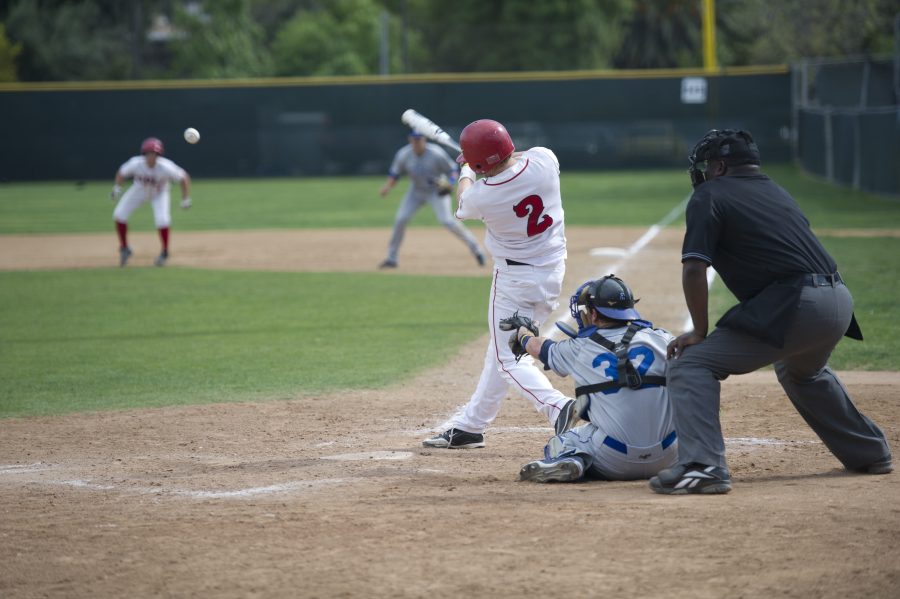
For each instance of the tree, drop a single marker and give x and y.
(661, 34)
(69, 41)
(510, 35)
(220, 40)
(8, 54)
(342, 37)
(762, 32)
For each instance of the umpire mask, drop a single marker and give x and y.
(732, 146)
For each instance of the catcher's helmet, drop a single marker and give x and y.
(609, 296)
(152, 144)
(485, 144)
(732, 146)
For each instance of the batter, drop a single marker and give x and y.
(518, 199)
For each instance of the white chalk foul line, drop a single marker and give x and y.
(688, 324)
(755, 442)
(562, 314)
(256, 491)
(22, 468)
(286, 487)
(369, 455)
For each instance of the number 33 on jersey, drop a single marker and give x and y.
(522, 210)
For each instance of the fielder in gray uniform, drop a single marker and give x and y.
(432, 174)
(618, 362)
(793, 310)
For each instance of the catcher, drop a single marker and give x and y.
(618, 362)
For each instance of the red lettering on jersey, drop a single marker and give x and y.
(532, 207)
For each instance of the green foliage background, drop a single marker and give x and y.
(108, 39)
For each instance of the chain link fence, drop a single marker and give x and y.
(847, 121)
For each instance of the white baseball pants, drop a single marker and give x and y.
(137, 195)
(533, 292)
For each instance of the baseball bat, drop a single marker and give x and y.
(428, 128)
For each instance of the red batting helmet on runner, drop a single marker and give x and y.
(151, 144)
(485, 144)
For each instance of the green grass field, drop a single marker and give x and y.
(107, 338)
(618, 198)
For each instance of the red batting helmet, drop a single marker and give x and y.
(485, 144)
(151, 144)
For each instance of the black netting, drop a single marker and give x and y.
(811, 142)
(880, 158)
(843, 137)
(849, 131)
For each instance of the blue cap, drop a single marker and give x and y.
(414, 133)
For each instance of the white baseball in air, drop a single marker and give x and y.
(191, 135)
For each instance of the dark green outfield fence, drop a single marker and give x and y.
(352, 125)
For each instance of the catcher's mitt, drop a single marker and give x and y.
(513, 323)
(443, 184)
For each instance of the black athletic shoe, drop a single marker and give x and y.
(479, 257)
(880, 467)
(692, 478)
(388, 264)
(454, 438)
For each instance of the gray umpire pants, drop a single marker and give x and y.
(801, 366)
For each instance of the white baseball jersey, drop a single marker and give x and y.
(423, 170)
(150, 185)
(151, 181)
(522, 210)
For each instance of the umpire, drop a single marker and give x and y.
(793, 310)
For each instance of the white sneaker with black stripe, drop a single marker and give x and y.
(454, 438)
(692, 478)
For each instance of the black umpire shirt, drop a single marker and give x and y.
(752, 232)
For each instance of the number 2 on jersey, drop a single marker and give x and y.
(533, 207)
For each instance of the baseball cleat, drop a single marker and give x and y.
(479, 257)
(692, 478)
(454, 438)
(569, 414)
(563, 470)
(124, 255)
(161, 259)
(388, 264)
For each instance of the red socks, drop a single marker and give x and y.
(122, 231)
(164, 238)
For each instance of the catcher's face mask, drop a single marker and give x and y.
(578, 301)
(732, 147)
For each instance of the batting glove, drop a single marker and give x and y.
(186, 203)
(116, 190)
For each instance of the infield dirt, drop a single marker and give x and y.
(334, 496)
